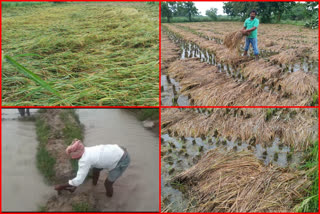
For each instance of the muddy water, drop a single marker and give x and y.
(179, 154)
(191, 50)
(23, 187)
(170, 95)
(138, 188)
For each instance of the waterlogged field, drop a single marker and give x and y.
(198, 69)
(239, 160)
(82, 54)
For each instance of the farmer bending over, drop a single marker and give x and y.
(250, 29)
(114, 158)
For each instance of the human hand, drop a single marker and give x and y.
(59, 187)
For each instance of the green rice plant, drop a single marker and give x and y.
(21, 4)
(311, 202)
(31, 75)
(45, 161)
(81, 207)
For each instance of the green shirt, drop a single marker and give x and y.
(248, 24)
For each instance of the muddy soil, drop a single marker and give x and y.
(20, 177)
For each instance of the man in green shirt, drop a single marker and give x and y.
(250, 29)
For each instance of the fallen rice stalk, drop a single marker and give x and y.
(233, 40)
(238, 182)
(259, 125)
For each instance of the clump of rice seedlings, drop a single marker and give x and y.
(172, 145)
(280, 146)
(246, 179)
(224, 142)
(194, 142)
(264, 154)
(247, 116)
(270, 112)
(171, 171)
(175, 133)
(167, 158)
(289, 156)
(203, 137)
(276, 156)
(183, 138)
(200, 149)
(182, 151)
(215, 134)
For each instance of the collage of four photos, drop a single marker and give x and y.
(160, 106)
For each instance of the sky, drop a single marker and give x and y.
(203, 6)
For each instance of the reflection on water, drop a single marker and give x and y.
(23, 188)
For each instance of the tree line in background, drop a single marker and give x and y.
(268, 12)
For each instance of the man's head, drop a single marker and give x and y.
(253, 14)
(76, 149)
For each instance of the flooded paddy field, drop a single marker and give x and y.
(24, 187)
(270, 138)
(208, 72)
(20, 176)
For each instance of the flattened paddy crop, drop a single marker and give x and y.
(239, 160)
(89, 53)
(196, 58)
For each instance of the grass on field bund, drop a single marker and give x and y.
(90, 53)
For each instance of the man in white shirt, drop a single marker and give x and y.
(112, 157)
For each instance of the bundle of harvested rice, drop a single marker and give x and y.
(233, 40)
(238, 182)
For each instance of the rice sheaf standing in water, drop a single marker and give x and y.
(112, 157)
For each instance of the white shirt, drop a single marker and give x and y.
(101, 156)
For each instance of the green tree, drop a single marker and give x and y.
(166, 11)
(265, 10)
(212, 13)
(190, 9)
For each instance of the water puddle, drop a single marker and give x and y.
(180, 153)
(170, 93)
(23, 187)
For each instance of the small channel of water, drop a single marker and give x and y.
(23, 187)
